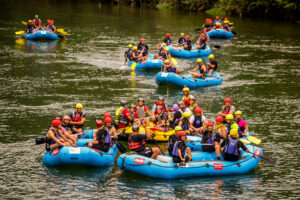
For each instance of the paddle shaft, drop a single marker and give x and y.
(163, 153)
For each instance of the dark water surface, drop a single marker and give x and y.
(39, 81)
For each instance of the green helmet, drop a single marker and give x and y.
(36, 16)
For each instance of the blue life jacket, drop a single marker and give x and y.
(163, 54)
(129, 53)
(217, 21)
(50, 28)
(108, 139)
(175, 150)
(231, 147)
(182, 41)
(210, 139)
(228, 126)
(198, 122)
(167, 41)
(185, 127)
(50, 141)
(143, 47)
(171, 69)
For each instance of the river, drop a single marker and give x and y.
(39, 81)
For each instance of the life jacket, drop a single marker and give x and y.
(159, 118)
(171, 143)
(242, 126)
(119, 117)
(136, 54)
(129, 53)
(217, 21)
(175, 149)
(140, 111)
(218, 129)
(215, 63)
(163, 54)
(50, 27)
(135, 145)
(208, 140)
(106, 139)
(198, 122)
(231, 147)
(185, 126)
(171, 69)
(37, 22)
(201, 42)
(200, 69)
(181, 41)
(226, 110)
(189, 45)
(229, 126)
(193, 108)
(163, 107)
(143, 47)
(50, 141)
(186, 101)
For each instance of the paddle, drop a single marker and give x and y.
(217, 46)
(19, 32)
(233, 32)
(25, 23)
(267, 159)
(198, 30)
(121, 148)
(132, 67)
(163, 153)
(174, 61)
(254, 140)
(42, 140)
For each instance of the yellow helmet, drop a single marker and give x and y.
(199, 60)
(231, 23)
(185, 89)
(229, 116)
(234, 126)
(238, 112)
(130, 46)
(178, 128)
(167, 49)
(167, 61)
(134, 48)
(163, 44)
(181, 34)
(233, 132)
(29, 20)
(218, 24)
(211, 56)
(79, 105)
(186, 114)
(226, 22)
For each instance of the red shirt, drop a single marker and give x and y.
(125, 113)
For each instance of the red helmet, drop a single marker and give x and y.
(219, 119)
(168, 35)
(181, 133)
(202, 35)
(66, 118)
(227, 100)
(99, 123)
(56, 123)
(142, 39)
(198, 110)
(187, 37)
(107, 115)
(108, 120)
(48, 21)
(217, 17)
(207, 20)
(226, 19)
(209, 124)
(57, 118)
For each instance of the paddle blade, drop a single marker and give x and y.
(133, 66)
(217, 46)
(25, 23)
(198, 30)
(174, 61)
(254, 140)
(40, 140)
(64, 33)
(121, 148)
(268, 159)
(233, 32)
(60, 30)
(19, 32)
(245, 141)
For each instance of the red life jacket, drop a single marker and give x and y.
(76, 118)
(163, 107)
(135, 145)
(186, 101)
(226, 111)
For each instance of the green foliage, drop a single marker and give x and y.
(215, 12)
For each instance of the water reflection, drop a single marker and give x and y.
(39, 46)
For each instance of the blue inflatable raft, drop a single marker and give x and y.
(148, 64)
(205, 165)
(178, 52)
(80, 156)
(41, 34)
(187, 80)
(220, 33)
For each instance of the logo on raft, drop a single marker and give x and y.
(175, 48)
(55, 152)
(257, 153)
(140, 161)
(144, 62)
(218, 166)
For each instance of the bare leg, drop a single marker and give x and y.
(217, 149)
(188, 149)
(156, 152)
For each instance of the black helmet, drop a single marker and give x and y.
(123, 102)
(161, 98)
(135, 128)
(141, 99)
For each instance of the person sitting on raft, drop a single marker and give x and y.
(115, 125)
(55, 137)
(230, 123)
(161, 52)
(197, 122)
(208, 137)
(220, 128)
(243, 127)
(230, 26)
(142, 111)
(78, 118)
(193, 104)
(201, 43)
(186, 97)
(206, 26)
(188, 45)
(227, 108)
(134, 116)
(50, 26)
(169, 67)
(212, 65)
(37, 23)
(128, 53)
(175, 117)
(172, 139)
(122, 116)
(103, 140)
(201, 68)
(161, 119)
(160, 102)
(67, 130)
(29, 27)
(99, 126)
(225, 25)
(218, 26)
(181, 40)
(180, 149)
(217, 20)
(143, 48)
(185, 122)
(168, 40)
(136, 55)
(137, 143)
(231, 147)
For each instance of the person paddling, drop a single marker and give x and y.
(55, 137)
(37, 23)
(201, 43)
(136, 55)
(172, 139)
(137, 143)
(197, 122)
(227, 108)
(67, 130)
(186, 97)
(188, 45)
(180, 149)
(169, 67)
(122, 116)
(200, 70)
(243, 127)
(103, 139)
(78, 118)
(128, 53)
(29, 27)
(212, 64)
(231, 147)
(168, 40)
(143, 48)
(50, 26)
(208, 137)
(181, 40)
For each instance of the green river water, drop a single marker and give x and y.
(39, 81)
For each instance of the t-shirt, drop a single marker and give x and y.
(139, 138)
(215, 63)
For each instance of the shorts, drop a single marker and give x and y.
(176, 159)
(146, 152)
(209, 149)
(228, 157)
(101, 147)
